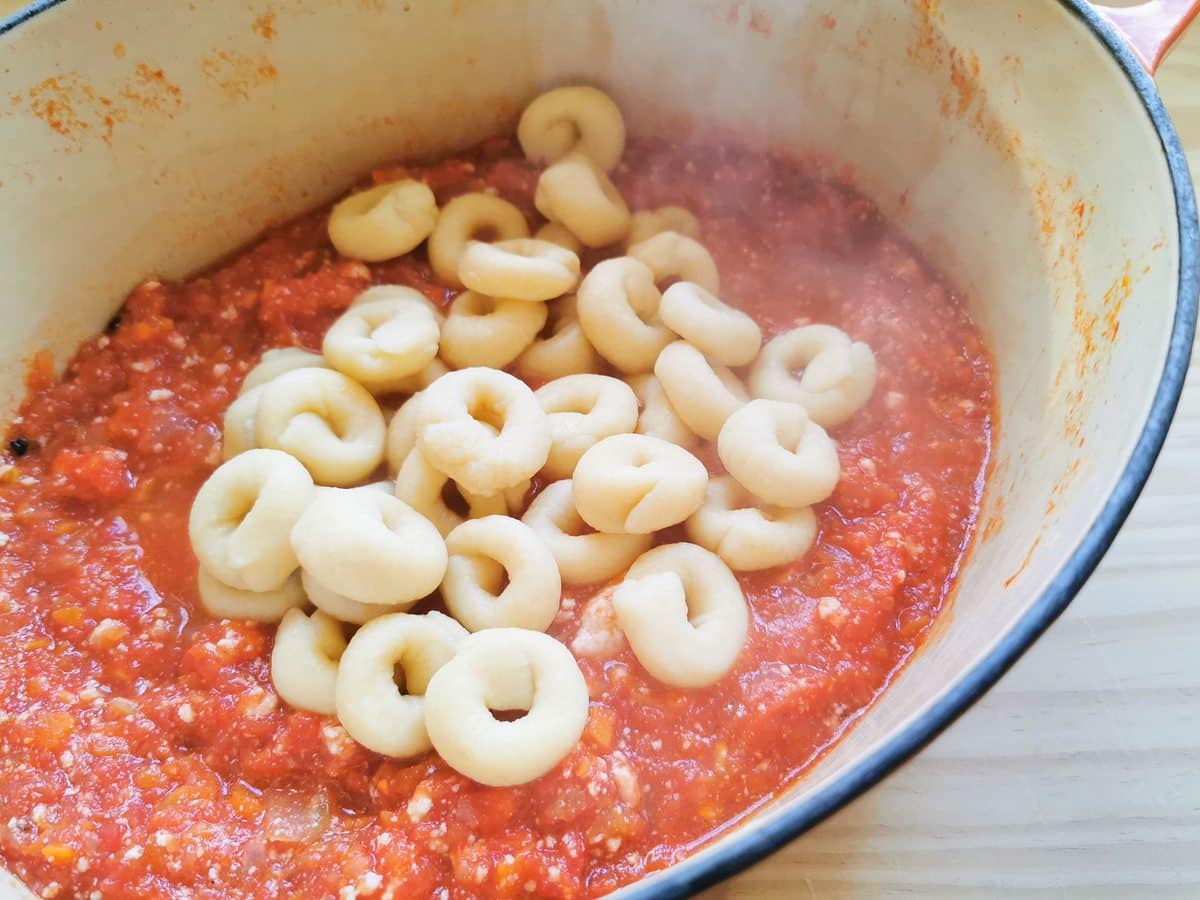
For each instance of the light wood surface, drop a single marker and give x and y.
(1078, 776)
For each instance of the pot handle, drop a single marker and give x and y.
(1151, 28)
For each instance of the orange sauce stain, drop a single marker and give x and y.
(264, 25)
(760, 22)
(119, 50)
(235, 74)
(1024, 563)
(1114, 301)
(828, 22)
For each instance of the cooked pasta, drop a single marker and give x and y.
(583, 409)
(521, 269)
(304, 662)
(657, 417)
(224, 601)
(420, 485)
(702, 393)
(466, 218)
(383, 222)
(489, 331)
(837, 379)
(724, 334)
(564, 351)
(670, 254)
(747, 533)
(575, 192)
(579, 119)
(617, 304)
(384, 341)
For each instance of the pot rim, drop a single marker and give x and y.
(755, 844)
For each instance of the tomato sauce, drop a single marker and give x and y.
(143, 751)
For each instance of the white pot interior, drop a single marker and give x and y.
(1056, 218)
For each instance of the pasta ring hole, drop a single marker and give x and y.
(508, 715)
(485, 411)
(399, 678)
(453, 497)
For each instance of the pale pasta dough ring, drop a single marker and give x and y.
(383, 222)
(565, 351)
(617, 304)
(570, 119)
(519, 269)
(341, 607)
(576, 193)
(684, 614)
(635, 484)
(657, 417)
(223, 601)
(722, 333)
(506, 669)
(279, 360)
(239, 431)
(381, 342)
(470, 450)
(583, 409)
(775, 451)
(402, 433)
(670, 254)
(531, 597)
(242, 518)
(324, 419)
(838, 377)
(489, 331)
(423, 379)
(748, 534)
(304, 661)
(702, 393)
(466, 218)
(420, 485)
(558, 233)
(646, 223)
(582, 557)
(370, 705)
(371, 546)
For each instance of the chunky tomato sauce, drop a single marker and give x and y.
(143, 751)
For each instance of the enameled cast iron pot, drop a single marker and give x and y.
(1021, 144)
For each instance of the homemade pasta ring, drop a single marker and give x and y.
(420, 485)
(558, 233)
(477, 547)
(304, 662)
(670, 254)
(380, 342)
(242, 518)
(775, 451)
(565, 351)
(327, 421)
(279, 360)
(423, 379)
(506, 669)
(579, 119)
(684, 615)
(581, 410)
(465, 218)
(722, 333)
(701, 393)
(402, 433)
(372, 546)
(223, 601)
(456, 438)
(239, 428)
(341, 607)
(489, 331)
(583, 556)
(373, 709)
(383, 222)
(646, 223)
(746, 533)
(634, 484)
(576, 193)
(838, 377)
(520, 269)
(617, 305)
(657, 418)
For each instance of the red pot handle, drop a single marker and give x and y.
(1151, 28)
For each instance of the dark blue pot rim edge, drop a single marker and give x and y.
(750, 847)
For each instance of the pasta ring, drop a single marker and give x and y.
(716, 329)
(838, 377)
(373, 709)
(579, 118)
(304, 662)
(657, 417)
(423, 379)
(479, 549)
(684, 614)
(646, 223)
(565, 351)
(778, 454)
(576, 193)
(558, 233)
(402, 433)
(520, 269)
(506, 669)
(617, 304)
(583, 556)
(341, 607)
(670, 254)
(746, 534)
(420, 485)
(703, 394)
(239, 431)
(583, 409)
(634, 484)
(327, 421)
(374, 547)
(277, 361)
(223, 601)
(383, 222)
(242, 518)
(489, 331)
(466, 217)
(456, 432)
(380, 342)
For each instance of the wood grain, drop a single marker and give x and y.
(1078, 776)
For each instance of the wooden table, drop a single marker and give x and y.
(1079, 774)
